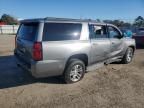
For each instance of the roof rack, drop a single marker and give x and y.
(61, 19)
(69, 19)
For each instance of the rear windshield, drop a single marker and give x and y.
(28, 31)
(61, 31)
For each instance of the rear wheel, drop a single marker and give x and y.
(128, 56)
(74, 71)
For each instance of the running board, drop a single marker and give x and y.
(101, 64)
(116, 59)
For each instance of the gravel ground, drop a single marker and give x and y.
(112, 86)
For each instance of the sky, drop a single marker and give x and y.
(92, 9)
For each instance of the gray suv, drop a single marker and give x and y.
(69, 47)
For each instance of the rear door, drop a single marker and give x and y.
(117, 43)
(100, 43)
(25, 38)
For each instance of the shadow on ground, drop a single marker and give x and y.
(12, 76)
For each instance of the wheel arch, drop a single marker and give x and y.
(82, 57)
(133, 47)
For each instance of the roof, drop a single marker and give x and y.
(60, 19)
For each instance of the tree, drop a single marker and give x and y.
(108, 21)
(118, 23)
(139, 21)
(98, 20)
(9, 19)
(126, 24)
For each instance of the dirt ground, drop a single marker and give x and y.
(112, 86)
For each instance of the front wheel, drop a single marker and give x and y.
(74, 71)
(128, 56)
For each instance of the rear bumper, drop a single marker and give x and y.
(42, 69)
(25, 66)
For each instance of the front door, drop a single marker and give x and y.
(100, 43)
(116, 40)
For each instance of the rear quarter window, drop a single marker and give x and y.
(28, 31)
(61, 31)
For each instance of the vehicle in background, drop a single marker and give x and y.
(127, 33)
(139, 37)
(69, 47)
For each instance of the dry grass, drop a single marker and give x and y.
(112, 86)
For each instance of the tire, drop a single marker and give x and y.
(74, 71)
(128, 56)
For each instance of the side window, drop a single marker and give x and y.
(113, 32)
(98, 31)
(61, 31)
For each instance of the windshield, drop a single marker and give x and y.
(28, 31)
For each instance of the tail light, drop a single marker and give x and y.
(37, 51)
